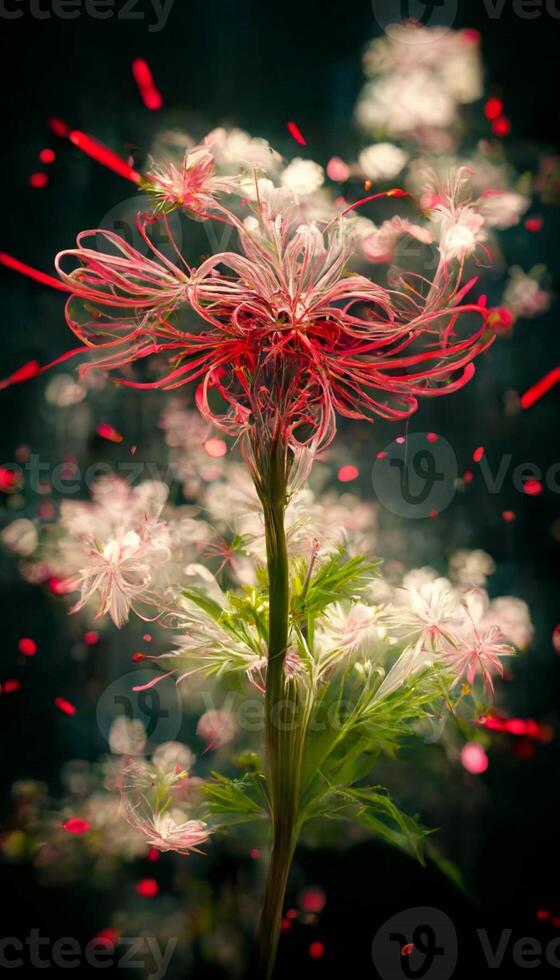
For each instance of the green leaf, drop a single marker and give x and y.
(236, 801)
(447, 867)
(373, 808)
(209, 606)
(337, 578)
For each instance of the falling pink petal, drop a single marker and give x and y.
(478, 454)
(9, 686)
(313, 899)
(10, 479)
(348, 473)
(296, 134)
(65, 706)
(493, 109)
(539, 389)
(501, 127)
(526, 727)
(102, 154)
(108, 432)
(147, 887)
(534, 224)
(107, 938)
(47, 155)
(474, 758)
(317, 950)
(338, 170)
(43, 277)
(27, 646)
(532, 488)
(75, 825)
(59, 586)
(38, 180)
(58, 126)
(215, 448)
(143, 77)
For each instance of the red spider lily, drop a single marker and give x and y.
(284, 338)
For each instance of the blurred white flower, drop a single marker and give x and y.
(512, 617)
(503, 209)
(352, 629)
(405, 104)
(379, 245)
(382, 161)
(428, 614)
(63, 391)
(20, 537)
(524, 295)
(232, 147)
(470, 568)
(217, 727)
(302, 176)
(148, 798)
(127, 736)
(173, 757)
(167, 832)
(420, 76)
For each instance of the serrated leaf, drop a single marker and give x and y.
(337, 578)
(377, 811)
(236, 800)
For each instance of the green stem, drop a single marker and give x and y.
(283, 734)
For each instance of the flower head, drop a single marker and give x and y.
(148, 796)
(193, 186)
(281, 336)
(478, 648)
(119, 572)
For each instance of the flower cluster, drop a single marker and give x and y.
(420, 76)
(280, 336)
